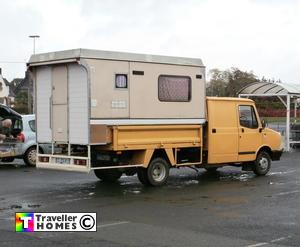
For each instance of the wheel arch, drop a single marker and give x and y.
(144, 157)
(166, 154)
(266, 149)
(41, 150)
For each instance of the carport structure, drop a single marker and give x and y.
(286, 93)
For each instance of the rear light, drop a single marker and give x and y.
(44, 159)
(80, 162)
(22, 137)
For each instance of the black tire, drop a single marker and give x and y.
(30, 156)
(211, 169)
(9, 159)
(158, 172)
(109, 176)
(142, 176)
(262, 164)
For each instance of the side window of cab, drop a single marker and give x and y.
(248, 117)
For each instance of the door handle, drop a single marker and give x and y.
(260, 130)
(242, 130)
(214, 131)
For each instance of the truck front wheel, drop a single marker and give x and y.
(156, 173)
(108, 175)
(262, 164)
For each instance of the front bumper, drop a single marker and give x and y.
(276, 154)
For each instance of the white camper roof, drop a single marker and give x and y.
(72, 55)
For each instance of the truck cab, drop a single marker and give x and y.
(235, 134)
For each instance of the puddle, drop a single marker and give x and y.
(237, 177)
(191, 182)
(24, 206)
(276, 183)
(76, 199)
(134, 191)
(14, 206)
(204, 197)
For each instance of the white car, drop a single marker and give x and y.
(22, 141)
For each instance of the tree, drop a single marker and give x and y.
(228, 82)
(21, 102)
(217, 83)
(238, 79)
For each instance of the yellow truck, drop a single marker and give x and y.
(122, 113)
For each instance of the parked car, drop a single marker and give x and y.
(21, 144)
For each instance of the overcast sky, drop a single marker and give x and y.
(254, 35)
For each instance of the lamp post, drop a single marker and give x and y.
(34, 37)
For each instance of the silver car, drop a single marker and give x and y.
(21, 143)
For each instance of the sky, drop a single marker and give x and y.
(262, 36)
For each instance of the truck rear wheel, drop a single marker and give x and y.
(262, 164)
(108, 175)
(156, 173)
(142, 176)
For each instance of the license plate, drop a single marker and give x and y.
(62, 161)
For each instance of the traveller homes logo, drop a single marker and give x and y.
(56, 222)
(24, 222)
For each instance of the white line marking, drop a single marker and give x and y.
(265, 243)
(284, 172)
(256, 245)
(288, 193)
(113, 224)
(277, 240)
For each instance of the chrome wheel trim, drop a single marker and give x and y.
(159, 172)
(263, 163)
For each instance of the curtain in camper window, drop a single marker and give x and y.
(174, 88)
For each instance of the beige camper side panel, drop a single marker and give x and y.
(140, 99)
(107, 101)
(144, 101)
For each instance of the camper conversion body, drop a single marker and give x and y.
(118, 113)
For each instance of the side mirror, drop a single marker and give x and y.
(263, 123)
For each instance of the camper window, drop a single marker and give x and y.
(121, 81)
(174, 88)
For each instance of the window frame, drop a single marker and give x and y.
(30, 125)
(253, 113)
(176, 76)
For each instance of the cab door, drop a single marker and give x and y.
(250, 133)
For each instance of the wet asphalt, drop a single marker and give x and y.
(228, 208)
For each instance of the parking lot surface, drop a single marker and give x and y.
(226, 208)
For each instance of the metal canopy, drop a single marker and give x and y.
(280, 90)
(267, 88)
